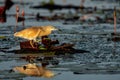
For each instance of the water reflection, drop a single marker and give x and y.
(48, 60)
(35, 70)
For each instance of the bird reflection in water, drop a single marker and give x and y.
(35, 70)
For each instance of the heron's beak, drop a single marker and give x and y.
(55, 29)
(59, 30)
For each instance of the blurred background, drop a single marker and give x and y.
(91, 25)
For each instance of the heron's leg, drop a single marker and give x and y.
(39, 40)
(31, 43)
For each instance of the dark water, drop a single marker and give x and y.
(101, 63)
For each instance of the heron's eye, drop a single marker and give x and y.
(24, 67)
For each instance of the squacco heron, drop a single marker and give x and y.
(34, 32)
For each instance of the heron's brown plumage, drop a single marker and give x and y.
(33, 32)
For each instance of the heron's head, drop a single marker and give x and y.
(52, 28)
